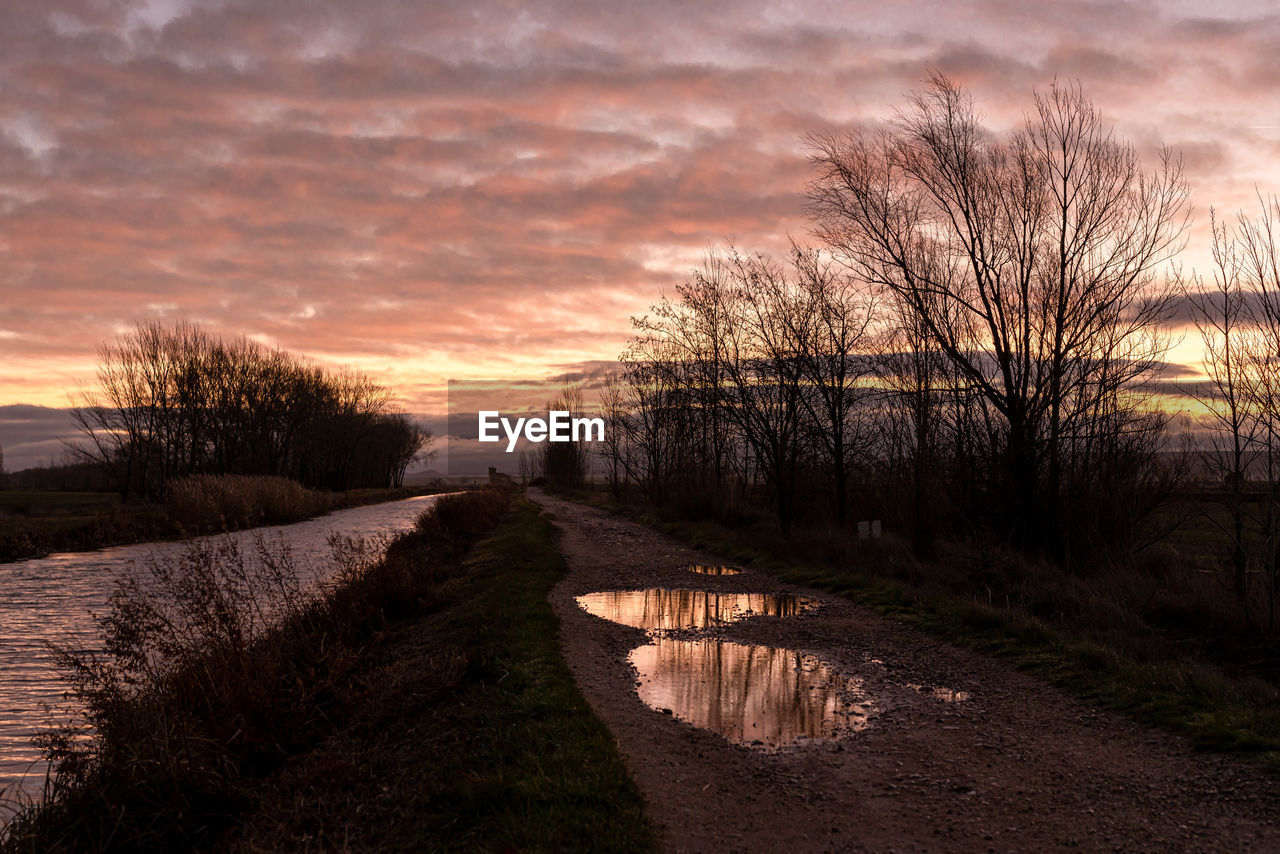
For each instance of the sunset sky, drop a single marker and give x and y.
(436, 190)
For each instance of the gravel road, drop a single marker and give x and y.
(1017, 766)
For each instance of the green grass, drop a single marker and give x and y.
(472, 735)
(1214, 709)
(539, 771)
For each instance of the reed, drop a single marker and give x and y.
(216, 667)
(230, 501)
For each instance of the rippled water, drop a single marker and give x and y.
(51, 599)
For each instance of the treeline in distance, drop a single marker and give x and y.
(172, 400)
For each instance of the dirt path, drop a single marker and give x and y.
(1018, 766)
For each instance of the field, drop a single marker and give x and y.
(34, 523)
(33, 503)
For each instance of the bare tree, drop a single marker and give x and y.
(834, 341)
(566, 464)
(912, 371)
(613, 448)
(1257, 242)
(172, 401)
(764, 370)
(1030, 261)
(647, 423)
(1224, 320)
(753, 371)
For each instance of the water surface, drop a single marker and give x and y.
(705, 569)
(754, 695)
(50, 599)
(660, 610)
(758, 696)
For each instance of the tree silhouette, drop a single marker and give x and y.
(1030, 262)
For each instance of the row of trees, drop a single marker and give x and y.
(1236, 309)
(61, 476)
(172, 400)
(972, 345)
(751, 371)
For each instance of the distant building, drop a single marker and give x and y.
(497, 478)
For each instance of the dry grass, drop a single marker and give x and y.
(232, 501)
(213, 670)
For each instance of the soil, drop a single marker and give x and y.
(1017, 766)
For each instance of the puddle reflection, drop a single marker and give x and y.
(703, 569)
(947, 695)
(753, 695)
(758, 696)
(664, 610)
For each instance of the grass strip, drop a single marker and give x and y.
(473, 736)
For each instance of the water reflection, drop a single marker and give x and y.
(947, 695)
(50, 599)
(753, 695)
(704, 569)
(665, 610)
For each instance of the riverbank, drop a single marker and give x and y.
(36, 523)
(423, 705)
(470, 734)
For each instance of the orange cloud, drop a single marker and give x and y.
(490, 189)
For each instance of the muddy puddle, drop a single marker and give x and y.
(758, 696)
(658, 610)
(946, 695)
(704, 569)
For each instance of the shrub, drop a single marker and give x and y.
(229, 501)
(215, 667)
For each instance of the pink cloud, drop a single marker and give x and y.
(435, 190)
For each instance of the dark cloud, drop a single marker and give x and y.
(32, 435)
(1187, 309)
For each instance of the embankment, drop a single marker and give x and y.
(420, 703)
